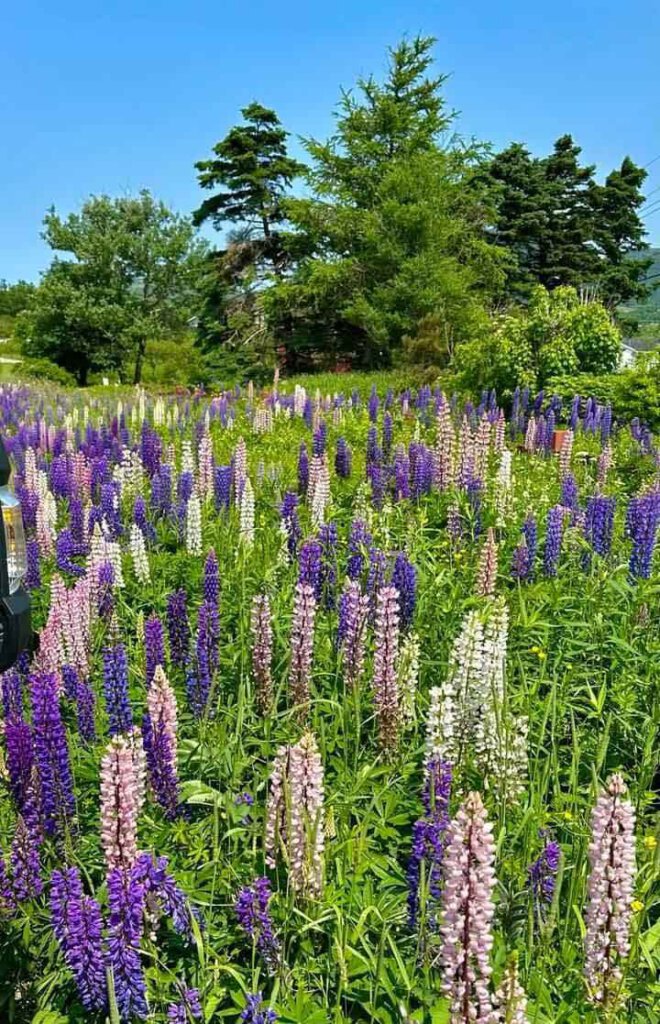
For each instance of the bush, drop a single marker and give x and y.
(171, 363)
(43, 369)
(632, 392)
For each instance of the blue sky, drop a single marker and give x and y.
(129, 96)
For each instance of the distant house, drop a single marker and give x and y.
(631, 347)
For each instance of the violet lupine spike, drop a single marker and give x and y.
(429, 839)
(642, 523)
(105, 601)
(163, 893)
(159, 736)
(51, 753)
(211, 587)
(256, 1012)
(154, 646)
(11, 685)
(178, 628)
(487, 571)
(290, 522)
(343, 459)
(385, 684)
(25, 861)
(467, 904)
(302, 645)
(85, 706)
(20, 759)
(328, 542)
(610, 892)
(126, 909)
(303, 469)
(115, 688)
(599, 523)
(404, 578)
(542, 874)
(78, 928)
(254, 918)
(353, 618)
(189, 1008)
(553, 540)
(33, 573)
(309, 561)
(359, 544)
(262, 651)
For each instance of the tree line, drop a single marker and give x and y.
(394, 239)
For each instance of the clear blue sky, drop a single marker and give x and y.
(129, 95)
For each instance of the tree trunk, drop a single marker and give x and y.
(139, 359)
(82, 374)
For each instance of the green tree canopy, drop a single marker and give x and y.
(130, 275)
(393, 231)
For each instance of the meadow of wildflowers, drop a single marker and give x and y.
(341, 708)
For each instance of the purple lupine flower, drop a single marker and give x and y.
(373, 404)
(51, 752)
(351, 638)
(154, 646)
(161, 491)
(429, 838)
(385, 685)
(66, 550)
(178, 628)
(319, 439)
(599, 523)
(309, 561)
(303, 469)
(542, 873)
(377, 480)
(404, 578)
(141, 519)
(575, 413)
(105, 601)
(115, 689)
(530, 531)
(474, 491)
(255, 1012)
(33, 573)
(388, 430)
(401, 473)
(162, 891)
(70, 682)
(190, 1006)
(291, 523)
(302, 644)
(25, 861)
(328, 542)
(111, 509)
(11, 685)
(20, 759)
(77, 521)
(255, 920)
(569, 493)
(606, 424)
(373, 453)
(85, 704)
(78, 928)
(126, 907)
(161, 762)
(642, 521)
(211, 588)
(359, 543)
(343, 459)
(553, 540)
(222, 487)
(375, 575)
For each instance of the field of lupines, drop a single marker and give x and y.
(342, 708)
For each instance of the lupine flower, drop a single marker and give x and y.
(78, 928)
(404, 578)
(51, 753)
(11, 685)
(353, 614)
(115, 689)
(33, 574)
(610, 888)
(318, 493)
(429, 838)
(294, 815)
(309, 560)
(190, 1006)
(328, 575)
(122, 796)
(343, 459)
(642, 522)
(24, 858)
(385, 684)
(467, 904)
(85, 705)
(66, 550)
(154, 646)
(408, 675)
(290, 521)
(542, 873)
(510, 998)
(126, 907)
(159, 736)
(599, 523)
(303, 469)
(139, 555)
(487, 571)
(246, 506)
(193, 531)
(105, 581)
(222, 487)
(178, 628)
(262, 651)
(255, 920)
(256, 1013)
(302, 644)
(20, 759)
(553, 540)
(359, 543)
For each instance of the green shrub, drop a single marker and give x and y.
(631, 392)
(172, 363)
(43, 369)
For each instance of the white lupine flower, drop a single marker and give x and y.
(187, 457)
(247, 513)
(159, 412)
(408, 672)
(319, 489)
(205, 462)
(194, 525)
(503, 487)
(299, 399)
(139, 554)
(113, 555)
(263, 421)
(510, 998)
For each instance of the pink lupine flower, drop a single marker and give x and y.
(610, 891)
(122, 795)
(444, 449)
(482, 447)
(385, 684)
(467, 904)
(565, 454)
(487, 572)
(262, 650)
(500, 433)
(294, 816)
(161, 703)
(302, 644)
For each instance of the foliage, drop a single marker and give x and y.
(563, 228)
(554, 335)
(43, 369)
(171, 362)
(393, 229)
(130, 274)
(632, 393)
(14, 298)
